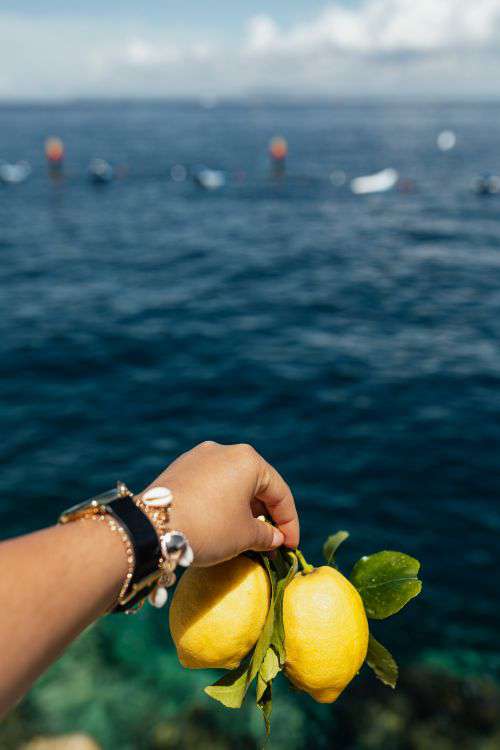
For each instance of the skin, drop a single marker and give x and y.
(57, 581)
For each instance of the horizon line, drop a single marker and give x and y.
(209, 101)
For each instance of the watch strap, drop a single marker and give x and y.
(146, 546)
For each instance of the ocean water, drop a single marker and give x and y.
(353, 340)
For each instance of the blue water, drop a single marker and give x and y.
(353, 340)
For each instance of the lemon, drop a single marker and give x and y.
(218, 613)
(326, 633)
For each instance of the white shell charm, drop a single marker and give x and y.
(157, 497)
(187, 556)
(175, 542)
(158, 597)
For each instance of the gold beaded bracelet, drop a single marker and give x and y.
(116, 528)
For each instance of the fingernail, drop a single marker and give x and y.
(278, 538)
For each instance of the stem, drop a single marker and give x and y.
(303, 562)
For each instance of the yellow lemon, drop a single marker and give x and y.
(326, 633)
(218, 613)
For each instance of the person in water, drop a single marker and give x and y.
(203, 509)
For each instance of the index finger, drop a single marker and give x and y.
(276, 495)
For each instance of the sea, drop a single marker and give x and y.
(352, 339)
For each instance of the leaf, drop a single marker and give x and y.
(280, 562)
(278, 635)
(286, 565)
(230, 690)
(386, 582)
(382, 662)
(332, 544)
(269, 668)
(268, 656)
(265, 703)
(264, 641)
(273, 576)
(260, 688)
(270, 665)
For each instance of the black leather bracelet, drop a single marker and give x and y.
(144, 540)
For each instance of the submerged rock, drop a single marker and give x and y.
(62, 742)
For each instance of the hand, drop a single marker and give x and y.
(219, 490)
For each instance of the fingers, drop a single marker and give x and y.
(274, 492)
(265, 536)
(258, 508)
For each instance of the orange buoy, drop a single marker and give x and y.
(54, 150)
(278, 148)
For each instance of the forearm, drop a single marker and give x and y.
(53, 584)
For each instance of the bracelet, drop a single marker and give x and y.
(116, 528)
(174, 547)
(153, 550)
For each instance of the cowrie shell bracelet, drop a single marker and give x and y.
(158, 497)
(175, 548)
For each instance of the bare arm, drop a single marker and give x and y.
(55, 582)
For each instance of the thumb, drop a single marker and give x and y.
(265, 536)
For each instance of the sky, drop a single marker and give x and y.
(291, 48)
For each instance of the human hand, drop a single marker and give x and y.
(219, 490)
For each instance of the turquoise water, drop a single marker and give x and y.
(353, 340)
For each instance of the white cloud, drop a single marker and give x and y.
(384, 46)
(139, 53)
(384, 26)
(263, 35)
(376, 46)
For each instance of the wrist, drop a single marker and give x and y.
(104, 556)
(152, 549)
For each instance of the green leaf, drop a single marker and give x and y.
(386, 582)
(232, 687)
(286, 565)
(382, 662)
(278, 635)
(265, 703)
(332, 544)
(281, 562)
(269, 668)
(268, 656)
(263, 643)
(270, 665)
(230, 690)
(260, 688)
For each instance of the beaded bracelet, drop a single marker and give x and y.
(116, 528)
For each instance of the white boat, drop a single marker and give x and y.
(209, 179)
(375, 183)
(12, 174)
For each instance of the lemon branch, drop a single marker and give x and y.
(303, 562)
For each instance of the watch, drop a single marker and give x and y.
(119, 504)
